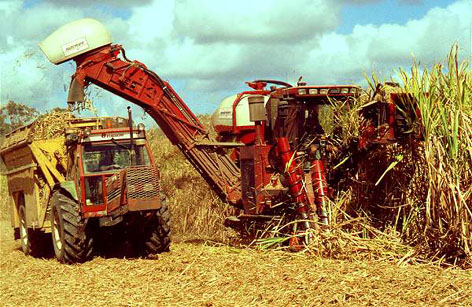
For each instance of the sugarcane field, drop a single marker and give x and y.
(216, 153)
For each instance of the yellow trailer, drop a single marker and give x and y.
(33, 168)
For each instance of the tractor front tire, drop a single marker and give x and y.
(32, 241)
(156, 234)
(71, 234)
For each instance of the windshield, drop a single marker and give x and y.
(107, 157)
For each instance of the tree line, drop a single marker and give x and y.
(14, 115)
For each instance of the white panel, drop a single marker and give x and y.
(75, 38)
(242, 111)
(223, 116)
(107, 136)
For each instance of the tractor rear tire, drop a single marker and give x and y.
(156, 234)
(32, 241)
(71, 234)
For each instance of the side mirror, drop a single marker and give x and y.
(72, 139)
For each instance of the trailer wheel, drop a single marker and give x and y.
(157, 230)
(31, 240)
(71, 234)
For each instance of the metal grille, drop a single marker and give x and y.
(142, 182)
(113, 187)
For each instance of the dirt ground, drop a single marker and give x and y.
(202, 274)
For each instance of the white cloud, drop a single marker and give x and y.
(152, 21)
(386, 47)
(25, 74)
(118, 3)
(207, 49)
(258, 21)
(362, 1)
(413, 2)
(25, 80)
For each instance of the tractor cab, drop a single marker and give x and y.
(112, 166)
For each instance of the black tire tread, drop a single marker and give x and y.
(157, 231)
(36, 245)
(78, 242)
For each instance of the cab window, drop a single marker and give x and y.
(109, 157)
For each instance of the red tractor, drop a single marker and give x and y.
(268, 160)
(95, 180)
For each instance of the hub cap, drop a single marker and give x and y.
(23, 231)
(56, 233)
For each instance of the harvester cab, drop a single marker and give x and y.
(289, 110)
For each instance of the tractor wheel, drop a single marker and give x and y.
(156, 236)
(31, 240)
(71, 234)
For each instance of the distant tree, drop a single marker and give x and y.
(14, 115)
(59, 110)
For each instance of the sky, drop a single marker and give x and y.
(207, 49)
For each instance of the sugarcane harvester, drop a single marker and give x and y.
(263, 170)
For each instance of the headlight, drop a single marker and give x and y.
(313, 91)
(301, 91)
(324, 91)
